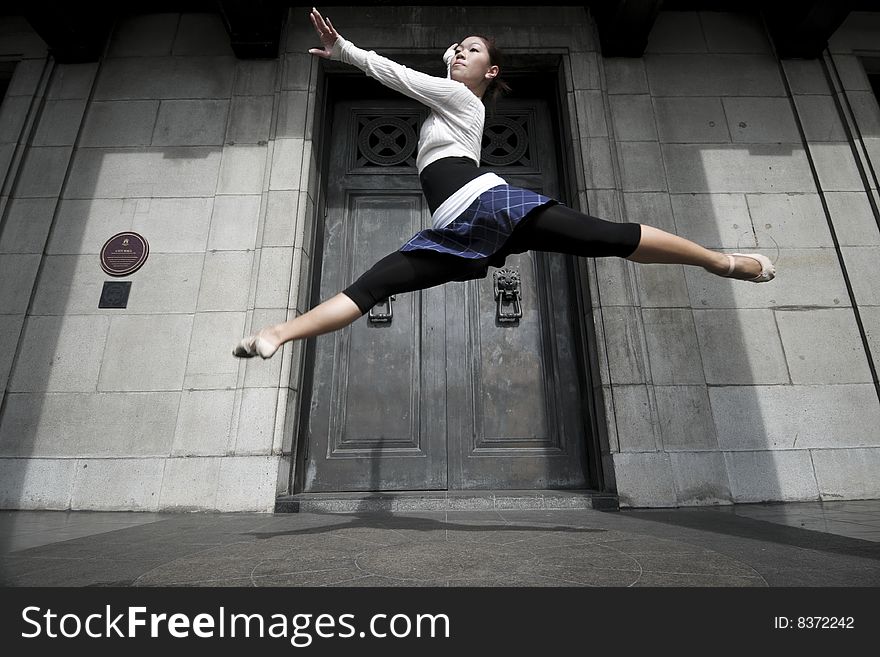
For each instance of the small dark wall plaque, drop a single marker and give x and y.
(115, 294)
(124, 253)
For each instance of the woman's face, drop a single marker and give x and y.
(471, 64)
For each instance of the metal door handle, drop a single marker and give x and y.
(384, 317)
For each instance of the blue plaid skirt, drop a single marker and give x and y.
(484, 227)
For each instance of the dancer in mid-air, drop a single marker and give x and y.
(478, 219)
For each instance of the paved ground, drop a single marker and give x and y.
(802, 544)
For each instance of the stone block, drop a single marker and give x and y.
(633, 117)
(736, 168)
(836, 167)
(583, 68)
(819, 118)
(614, 280)
(624, 75)
(273, 282)
(685, 418)
(651, 209)
(17, 282)
(662, 286)
(292, 114)
(158, 362)
(281, 218)
(250, 120)
(700, 478)
(158, 78)
(60, 354)
(849, 474)
(226, 281)
(10, 331)
(691, 120)
(72, 80)
(144, 35)
(256, 77)
(789, 220)
(795, 417)
(761, 120)
(40, 484)
(13, 114)
(247, 483)
(89, 424)
(771, 476)
(256, 421)
(805, 76)
(172, 225)
(201, 34)
(734, 32)
(673, 350)
(632, 415)
(641, 166)
(287, 430)
(117, 484)
(242, 170)
(82, 226)
(59, 122)
(203, 422)
(119, 123)
(823, 346)
(287, 161)
(210, 363)
(26, 77)
(42, 173)
(861, 263)
(713, 220)
(740, 347)
(598, 168)
(804, 277)
(714, 75)
(300, 282)
(866, 112)
(871, 321)
(590, 107)
(645, 479)
(234, 223)
(676, 31)
(166, 172)
(191, 123)
(189, 484)
(297, 71)
(623, 341)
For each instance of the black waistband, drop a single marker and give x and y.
(443, 177)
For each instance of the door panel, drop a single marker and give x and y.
(443, 396)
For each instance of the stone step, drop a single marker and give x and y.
(509, 500)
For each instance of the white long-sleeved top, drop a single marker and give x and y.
(454, 127)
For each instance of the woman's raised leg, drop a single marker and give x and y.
(395, 273)
(559, 228)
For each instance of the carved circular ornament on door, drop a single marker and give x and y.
(387, 141)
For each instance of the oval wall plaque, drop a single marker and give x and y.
(124, 254)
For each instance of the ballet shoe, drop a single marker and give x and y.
(255, 345)
(768, 270)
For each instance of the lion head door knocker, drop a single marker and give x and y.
(507, 296)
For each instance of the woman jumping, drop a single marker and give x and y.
(478, 219)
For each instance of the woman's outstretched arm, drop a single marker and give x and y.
(440, 94)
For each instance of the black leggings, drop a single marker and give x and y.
(555, 228)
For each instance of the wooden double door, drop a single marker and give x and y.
(444, 388)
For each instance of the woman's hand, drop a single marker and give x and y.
(449, 55)
(326, 32)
